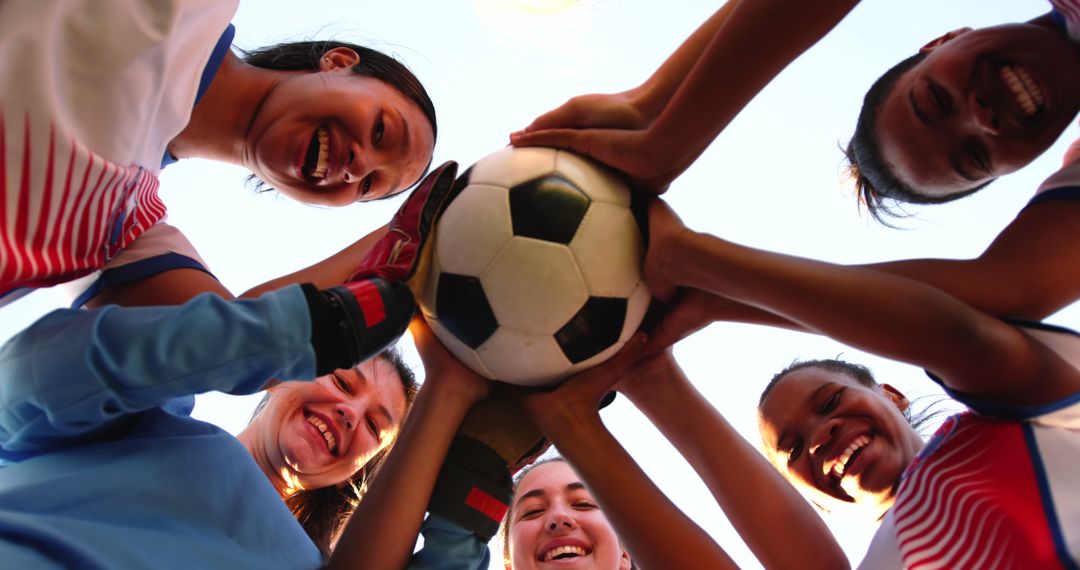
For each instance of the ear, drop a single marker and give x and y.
(896, 396)
(624, 560)
(942, 40)
(338, 58)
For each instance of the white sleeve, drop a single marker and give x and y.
(118, 77)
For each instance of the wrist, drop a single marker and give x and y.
(565, 422)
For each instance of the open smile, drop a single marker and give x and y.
(317, 157)
(564, 551)
(836, 467)
(1025, 93)
(325, 430)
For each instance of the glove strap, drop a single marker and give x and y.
(356, 321)
(474, 488)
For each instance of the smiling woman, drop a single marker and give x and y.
(320, 442)
(363, 131)
(324, 122)
(971, 106)
(554, 517)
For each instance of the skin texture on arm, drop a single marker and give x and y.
(178, 285)
(382, 531)
(895, 317)
(768, 513)
(657, 534)
(705, 99)
(1030, 270)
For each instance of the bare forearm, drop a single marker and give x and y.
(662, 84)
(754, 42)
(849, 304)
(382, 531)
(329, 272)
(1031, 269)
(773, 520)
(655, 532)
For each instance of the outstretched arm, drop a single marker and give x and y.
(771, 517)
(872, 310)
(382, 531)
(680, 109)
(655, 531)
(75, 372)
(1031, 270)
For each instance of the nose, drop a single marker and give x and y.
(983, 118)
(357, 164)
(559, 518)
(823, 436)
(346, 414)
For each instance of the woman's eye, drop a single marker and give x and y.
(377, 133)
(531, 514)
(980, 157)
(584, 505)
(794, 452)
(342, 383)
(367, 186)
(373, 427)
(941, 98)
(830, 404)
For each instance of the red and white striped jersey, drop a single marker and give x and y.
(90, 96)
(994, 488)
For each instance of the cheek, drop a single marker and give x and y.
(522, 543)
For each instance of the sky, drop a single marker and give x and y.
(772, 179)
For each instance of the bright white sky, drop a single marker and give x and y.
(771, 180)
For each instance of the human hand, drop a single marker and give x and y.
(686, 312)
(613, 111)
(576, 401)
(612, 129)
(443, 369)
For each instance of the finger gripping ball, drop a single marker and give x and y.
(536, 267)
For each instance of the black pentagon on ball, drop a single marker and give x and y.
(593, 329)
(463, 309)
(549, 208)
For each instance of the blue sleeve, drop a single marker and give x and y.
(73, 373)
(449, 547)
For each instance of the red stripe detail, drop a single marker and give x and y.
(370, 301)
(44, 223)
(491, 507)
(975, 496)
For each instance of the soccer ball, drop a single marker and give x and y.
(536, 267)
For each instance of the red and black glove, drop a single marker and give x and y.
(475, 484)
(356, 321)
(398, 254)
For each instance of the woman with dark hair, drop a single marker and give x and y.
(323, 122)
(102, 466)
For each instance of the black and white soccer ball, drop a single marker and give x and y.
(536, 267)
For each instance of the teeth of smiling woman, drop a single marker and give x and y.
(840, 463)
(324, 153)
(563, 550)
(1023, 88)
(331, 442)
